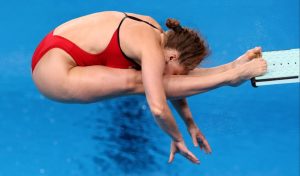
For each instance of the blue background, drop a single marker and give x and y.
(253, 132)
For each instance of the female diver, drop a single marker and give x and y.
(111, 54)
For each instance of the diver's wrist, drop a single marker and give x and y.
(190, 122)
(178, 138)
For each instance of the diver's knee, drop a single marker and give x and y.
(133, 80)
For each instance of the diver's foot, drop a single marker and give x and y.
(248, 56)
(253, 68)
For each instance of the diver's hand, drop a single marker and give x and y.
(199, 139)
(179, 147)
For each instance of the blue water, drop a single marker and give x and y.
(252, 132)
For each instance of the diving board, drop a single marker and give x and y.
(283, 67)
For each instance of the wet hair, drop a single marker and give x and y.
(191, 46)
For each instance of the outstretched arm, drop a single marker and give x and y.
(181, 106)
(183, 110)
(152, 59)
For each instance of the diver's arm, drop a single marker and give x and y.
(198, 138)
(153, 64)
(152, 61)
(181, 106)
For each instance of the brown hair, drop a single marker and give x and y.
(191, 46)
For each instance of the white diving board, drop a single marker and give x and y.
(283, 67)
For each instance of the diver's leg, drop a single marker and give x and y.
(246, 57)
(179, 86)
(94, 83)
(199, 81)
(57, 77)
(59, 80)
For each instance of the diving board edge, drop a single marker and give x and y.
(283, 80)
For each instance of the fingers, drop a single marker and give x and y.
(180, 147)
(204, 145)
(189, 155)
(199, 140)
(195, 141)
(172, 152)
(171, 158)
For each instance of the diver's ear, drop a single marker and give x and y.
(170, 59)
(173, 56)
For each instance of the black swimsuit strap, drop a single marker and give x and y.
(136, 19)
(122, 20)
(136, 66)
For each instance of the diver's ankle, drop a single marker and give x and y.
(233, 76)
(233, 64)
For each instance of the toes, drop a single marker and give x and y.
(251, 54)
(254, 53)
(258, 51)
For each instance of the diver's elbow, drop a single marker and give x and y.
(158, 110)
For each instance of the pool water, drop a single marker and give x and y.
(252, 131)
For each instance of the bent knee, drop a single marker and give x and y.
(60, 92)
(57, 88)
(133, 80)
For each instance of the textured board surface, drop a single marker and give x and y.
(283, 67)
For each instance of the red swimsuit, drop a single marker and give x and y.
(112, 56)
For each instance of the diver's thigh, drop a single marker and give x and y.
(51, 74)
(94, 83)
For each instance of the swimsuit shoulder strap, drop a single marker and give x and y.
(136, 65)
(136, 19)
(122, 20)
